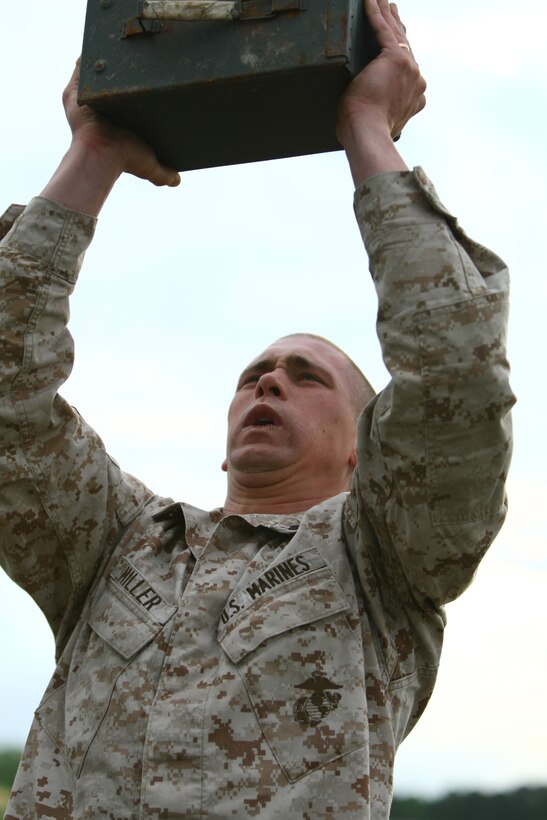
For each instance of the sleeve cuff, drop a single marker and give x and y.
(406, 195)
(54, 235)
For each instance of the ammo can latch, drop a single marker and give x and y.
(153, 14)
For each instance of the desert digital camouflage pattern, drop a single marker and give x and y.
(252, 666)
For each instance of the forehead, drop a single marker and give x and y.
(314, 351)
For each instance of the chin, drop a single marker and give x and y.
(257, 462)
(258, 467)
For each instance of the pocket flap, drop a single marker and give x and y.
(129, 613)
(277, 608)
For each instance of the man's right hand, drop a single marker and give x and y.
(99, 153)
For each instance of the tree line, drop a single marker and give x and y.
(527, 803)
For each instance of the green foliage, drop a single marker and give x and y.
(521, 804)
(408, 808)
(4, 794)
(9, 761)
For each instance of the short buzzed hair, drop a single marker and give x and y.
(362, 391)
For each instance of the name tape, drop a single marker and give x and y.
(130, 579)
(275, 576)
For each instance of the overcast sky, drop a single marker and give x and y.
(181, 288)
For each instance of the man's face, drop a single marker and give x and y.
(292, 417)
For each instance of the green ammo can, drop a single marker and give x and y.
(220, 83)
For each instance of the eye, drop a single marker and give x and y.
(309, 377)
(249, 379)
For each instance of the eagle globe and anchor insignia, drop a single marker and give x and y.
(323, 699)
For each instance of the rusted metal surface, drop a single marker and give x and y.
(338, 28)
(206, 93)
(262, 9)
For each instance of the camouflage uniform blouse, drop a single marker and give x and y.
(251, 666)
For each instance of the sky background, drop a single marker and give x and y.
(181, 288)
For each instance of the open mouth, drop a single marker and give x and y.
(264, 421)
(262, 417)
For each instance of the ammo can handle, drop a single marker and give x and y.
(191, 10)
(157, 12)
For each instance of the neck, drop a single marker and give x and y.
(277, 498)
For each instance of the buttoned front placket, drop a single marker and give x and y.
(173, 754)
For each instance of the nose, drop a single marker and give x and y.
(270, 384)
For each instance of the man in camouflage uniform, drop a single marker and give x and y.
(265, 659)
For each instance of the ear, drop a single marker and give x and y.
(224, 466)
(352, 460)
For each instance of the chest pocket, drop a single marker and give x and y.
(119, 628)
(300, 662)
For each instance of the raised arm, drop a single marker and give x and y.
(434, 446)
(63, 501)
(428, 493)
(98, 154)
